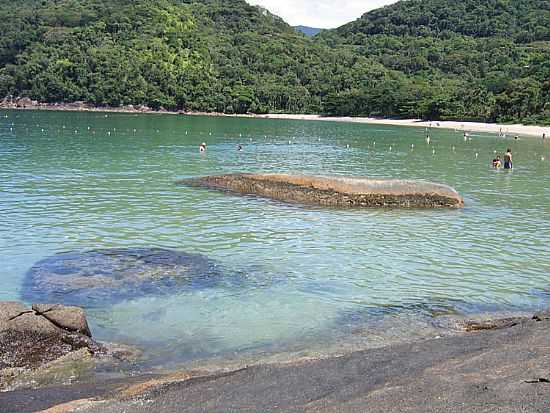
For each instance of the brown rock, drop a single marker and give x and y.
(68, 318)
(337, 191)
(11, 309)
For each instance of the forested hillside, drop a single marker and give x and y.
(437, 59)
(448, 59)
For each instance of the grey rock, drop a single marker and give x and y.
(68, 318)
(542, 315)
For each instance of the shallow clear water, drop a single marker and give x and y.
(82, 181)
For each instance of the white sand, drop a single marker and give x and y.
(509, 130)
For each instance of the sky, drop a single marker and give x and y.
(325, 14)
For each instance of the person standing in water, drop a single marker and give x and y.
(508, 164)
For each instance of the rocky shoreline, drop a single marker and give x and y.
(500, 365)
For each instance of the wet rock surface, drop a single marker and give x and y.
(336, 191)
(101, 277)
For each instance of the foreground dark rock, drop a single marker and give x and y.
(500, 370)
(45, 341)
(336, 191)
(100, 277)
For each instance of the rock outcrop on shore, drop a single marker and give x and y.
(78, 106)
(42, 342)
(336, 191)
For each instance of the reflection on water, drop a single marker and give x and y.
(309, 277)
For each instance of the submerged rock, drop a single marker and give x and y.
(100, 277)
(336, 191)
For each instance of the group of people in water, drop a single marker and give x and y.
(507, 164)
(202, 147)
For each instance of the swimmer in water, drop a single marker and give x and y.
(202, 147)
(497, 163)
(508, 164)
(239, 148)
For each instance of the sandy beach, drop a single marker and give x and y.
(509, 130)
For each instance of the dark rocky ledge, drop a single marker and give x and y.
(336, 191)
(504, 367)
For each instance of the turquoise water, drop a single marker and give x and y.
(83, 181)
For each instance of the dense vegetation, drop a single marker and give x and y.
(437, 59)
(467, 59)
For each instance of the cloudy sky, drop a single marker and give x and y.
(320, 13)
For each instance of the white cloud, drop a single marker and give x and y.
(320, 13)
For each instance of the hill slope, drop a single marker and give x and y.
(470, 60)
(207, 55)
(308, 31)
(438, 59)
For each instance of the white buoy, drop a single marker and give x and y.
(347, 146)
(240, 135)
(209, 133)
(454, 149)
(390, 148)
(88, 128)
(75, 131)
(186, 132)
(412, 145)
(433, 152)
(374, 143)
(290, 142)
(42, 129)
(109, 133)
(477, 155)
(542, 158)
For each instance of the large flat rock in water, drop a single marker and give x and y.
(336, 191)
